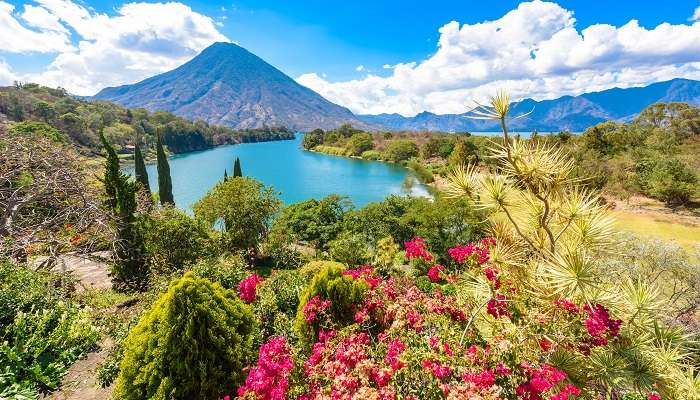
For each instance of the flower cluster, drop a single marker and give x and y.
(434, 273)
(315, 306)
(269, 380)
(417, 249)
(478, 252)
(542, 380)
(599, 325)
(247, 288)
(366, 273)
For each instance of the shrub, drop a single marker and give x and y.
(37, 348)
(22, 289)
(330, 298)
(332, 150)
(422, 172)
(39, 129)
(228, 270)
(669, 180)
(350, 249)
(173, 239)
(401, 150)
(277, 303)
(193, 343)
(371, 155)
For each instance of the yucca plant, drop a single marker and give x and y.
(553, 236)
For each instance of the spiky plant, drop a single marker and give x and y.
(554, 236)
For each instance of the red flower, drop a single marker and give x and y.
(654, 396)
(416, 248)
(269, 380)
(315, 306)
(497, 307)
(396, 348)
(484, 379)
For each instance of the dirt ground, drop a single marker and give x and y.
(80, 383)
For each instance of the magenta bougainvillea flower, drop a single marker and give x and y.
(247, 288)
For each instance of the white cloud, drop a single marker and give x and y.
(7, 77)
(140, 40)
(696, 14)
(534, 50)
(386, 66)
(360, 68)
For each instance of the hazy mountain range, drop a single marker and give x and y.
(227, 85)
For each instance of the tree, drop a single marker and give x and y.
(464, 153)
(401, 150)
(313, 221)
(129, 272)
(140, 172)
(313, 139)
(359, 143)
(237, 168)
(193, 343)
(243, 207)
(225, 175)
(669, 180)
(165, 184)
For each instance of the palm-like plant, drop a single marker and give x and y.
(555, 234)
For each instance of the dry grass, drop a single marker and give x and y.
(661, 226)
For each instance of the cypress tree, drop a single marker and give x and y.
(128, 271)
(237, 168)
(140, 169)
(225, 176)
(165, 184)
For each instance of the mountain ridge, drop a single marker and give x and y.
(572, 113)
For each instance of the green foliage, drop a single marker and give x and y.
(165, 183)
(316, 222)
(344, 294)
(278, 300)
(359, 143)
(387, 254)
(129, 271)
(438, 147)
(371, 155)
(401, 150)
(464, 152)
(140, 172)
(173, 239)
(41, 333)
(332, 150)
(313, 139)
(227, 270)
(193, 343)
(422, 172)
(349, 248)
(38, 128)
(244, 206)
(667, 179)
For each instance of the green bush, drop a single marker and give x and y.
(424, 174)
(228, 270)
(350, 249)
(371, 155)
(344, 293)
(401, 150)
(332, 150)
(192, 344)
(173, 239)
(37, 348)
(669, 180)
(359, 143)
(22, 289)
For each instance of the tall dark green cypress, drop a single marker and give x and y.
(128, 271)
(140, 169)
(165, 183)
(237, 168)
(225, 175)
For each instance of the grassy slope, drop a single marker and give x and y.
(660, 226)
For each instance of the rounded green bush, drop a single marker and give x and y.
(192, 344)
(345, 294)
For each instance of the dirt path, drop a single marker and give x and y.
(92, 270)
(80, 383)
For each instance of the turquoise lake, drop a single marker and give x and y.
(297, 174)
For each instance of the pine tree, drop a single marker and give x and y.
(140, 169)
(128, 271)
(165, 184)
(237, 168)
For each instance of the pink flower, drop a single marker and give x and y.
(416, 248)
(654, 396)
(484, 379)
(470, 251)
(269, 380)
(247, 288)
(439, 370)
(396, 348)
(497, 307)
(566, 305)
(315, 306)
(415, 320)
(434, 273)
(503, 370)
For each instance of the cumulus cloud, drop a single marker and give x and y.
(94, 50)
(360, 68)
(535, 50)
(7, 77)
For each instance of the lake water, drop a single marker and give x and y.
(297, 174)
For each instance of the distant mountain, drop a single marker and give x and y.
(227, 85)
(572, 113)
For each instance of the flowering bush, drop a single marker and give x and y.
(269, 380)
(246, 289)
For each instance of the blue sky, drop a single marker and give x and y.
(359, 53)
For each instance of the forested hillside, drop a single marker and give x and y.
(79, 122)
